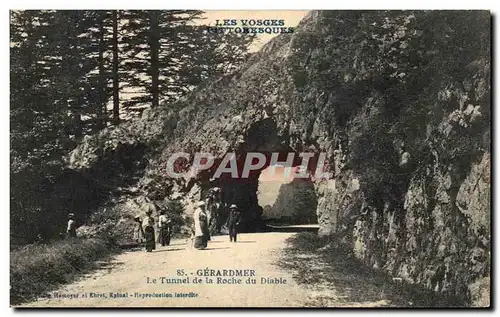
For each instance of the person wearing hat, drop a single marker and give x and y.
(200, 226)
(71, 229)
(148, 224)
(211, 211)
(233, 222)
(138, 231)
(164, 226)
(216, 211)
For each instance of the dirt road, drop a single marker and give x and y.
(140, 279)
(132, 274)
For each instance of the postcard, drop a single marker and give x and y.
(190, 158)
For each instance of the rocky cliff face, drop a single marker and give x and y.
(295, 203)
(399, 101)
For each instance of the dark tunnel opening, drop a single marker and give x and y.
(242, 191)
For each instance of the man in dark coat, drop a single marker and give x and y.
(233, 222)
(164, 224)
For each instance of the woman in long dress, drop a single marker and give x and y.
(200, 227)
(149, 230)
(138, 230)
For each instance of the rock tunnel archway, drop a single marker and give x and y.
(262, 137)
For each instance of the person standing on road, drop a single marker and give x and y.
(208, 211)
(211, 209)
(149, 229)
(200, 227)
(164, 226)
(233, 222)
(138, 231)
(71, 229)
(216, 211)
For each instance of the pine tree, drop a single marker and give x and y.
(65, 68)
(116, 78)
(103, 82)
(167, 53)
(56, 93)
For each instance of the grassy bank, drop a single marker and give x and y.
(38, 269)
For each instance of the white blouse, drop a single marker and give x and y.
(148, 222)
(197, 223)
(71, 224)
(162, 219)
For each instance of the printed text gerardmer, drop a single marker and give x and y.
(212, 272)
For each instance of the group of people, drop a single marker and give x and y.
(145, 228)
(207, 218)
(202, 220)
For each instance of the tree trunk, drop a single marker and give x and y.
(155, 67)
(101, 108)
(116, 83)
(71, 72)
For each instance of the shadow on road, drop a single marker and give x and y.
(168, 250)
(338, 279)
(103, 265)
(107, 265)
